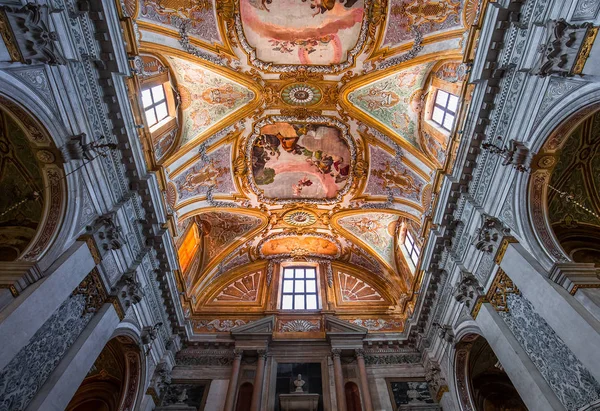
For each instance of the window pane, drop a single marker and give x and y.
(311, 302)
(453, 103)
(158, 93)
(161, 111)
(299, 272)
(310, 273)
(299, 286)
(311, 286)
(288, 273)
(298, 302)
(286, 303)
(414, 259)
(448, 121)
(150, 117)
(417, 251)
(288, 286)
(438, 115)
(441, 98)
(146, 98)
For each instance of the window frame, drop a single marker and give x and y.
(154, 104)
(294, 293)
(413, 250)
(444, 109)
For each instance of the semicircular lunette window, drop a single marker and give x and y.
(21, 183)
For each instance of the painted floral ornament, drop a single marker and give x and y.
(301, 94)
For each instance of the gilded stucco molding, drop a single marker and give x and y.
(501, 287)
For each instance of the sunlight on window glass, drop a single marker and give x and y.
(299, 289)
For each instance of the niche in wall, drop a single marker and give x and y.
(288, 372)
(408, 394)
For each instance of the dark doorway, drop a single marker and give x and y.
(352, 397)
(244, 399)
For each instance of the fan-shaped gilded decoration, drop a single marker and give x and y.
(245, 289)
(353, 289)
(299, 326)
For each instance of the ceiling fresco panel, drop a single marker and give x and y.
(302, 32)
(199, 15)
(297, 160)
(221, 229)
(294, 160)
(206, 97)
(376, 230)
(211, 171)
(389, 176)
(428, 16)
(394, 101)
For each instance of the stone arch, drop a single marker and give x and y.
(531, 189)
(480, 381)
(113, 383)
(45, 118)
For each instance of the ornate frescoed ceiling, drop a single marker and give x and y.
(301, 136)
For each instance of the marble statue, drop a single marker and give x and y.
(299, 382)
(182, 397)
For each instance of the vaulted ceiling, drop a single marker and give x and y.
(301, 135)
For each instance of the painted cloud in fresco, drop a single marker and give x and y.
(301, 31)
(206, 97)
(395, 100)
(299, 160)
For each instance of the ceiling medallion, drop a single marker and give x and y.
(301, 94)
(300, 218)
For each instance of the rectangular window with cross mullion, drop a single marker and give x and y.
(155, 105)
(411, 247)
(299, 289)
(444, 109)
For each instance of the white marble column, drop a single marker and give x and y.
(27, 313)
(529, 382)
(61, 385)
(579, 330)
